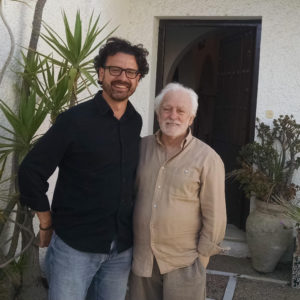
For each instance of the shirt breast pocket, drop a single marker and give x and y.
(184, 184)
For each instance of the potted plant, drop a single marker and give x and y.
(267, 167)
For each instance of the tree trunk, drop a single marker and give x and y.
(10, 281)
(25, 281)
(31, 280)
(35, 33)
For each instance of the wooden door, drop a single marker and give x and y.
(233, 112)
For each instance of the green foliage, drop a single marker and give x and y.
(267, 165)
(57, 92)
(292, 209)
(32, 67)
(75, 51)
(50, 84)
(23, 125)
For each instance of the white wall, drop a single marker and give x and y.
(279, 68)
(279, 71)
(19, 17)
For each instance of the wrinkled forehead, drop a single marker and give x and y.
(177, 98)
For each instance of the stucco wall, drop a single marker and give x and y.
(279, 66)
(19, 17)
(279, 71)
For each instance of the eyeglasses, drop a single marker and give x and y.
(117, 71)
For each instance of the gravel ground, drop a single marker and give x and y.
(215, 286)
(255, 290)
(243, 266)
(248, 289)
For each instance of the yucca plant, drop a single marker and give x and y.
(32, 67)
(15, 280)
(75, 51)
(21, 134)
(56, 92)
(12, 240)
(51, 84)
(23, 125)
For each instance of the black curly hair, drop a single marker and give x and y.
(114, 45)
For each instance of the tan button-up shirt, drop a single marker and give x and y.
(180, 207)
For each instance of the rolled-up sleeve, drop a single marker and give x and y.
(41, 162)
(213, 206)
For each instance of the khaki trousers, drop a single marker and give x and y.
(182, 284)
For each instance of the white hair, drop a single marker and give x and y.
(174, 86)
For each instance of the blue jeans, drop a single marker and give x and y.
(76, 275)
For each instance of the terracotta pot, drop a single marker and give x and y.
(269, 233)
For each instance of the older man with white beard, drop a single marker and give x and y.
(180, 212)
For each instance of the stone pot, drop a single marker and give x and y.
(269, 233)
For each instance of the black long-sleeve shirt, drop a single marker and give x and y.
(97, 156)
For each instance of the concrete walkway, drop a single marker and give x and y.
(231, 278)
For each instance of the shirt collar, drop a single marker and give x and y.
(104, 108)
(186, 140)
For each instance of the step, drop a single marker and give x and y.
(235, 242)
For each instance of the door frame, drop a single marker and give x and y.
(254, 23)
(218, 24)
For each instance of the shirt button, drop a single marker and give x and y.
(154, 205)
(158, 187)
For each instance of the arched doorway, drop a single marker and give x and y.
(219, 60)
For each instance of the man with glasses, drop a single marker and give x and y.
(95, 146)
